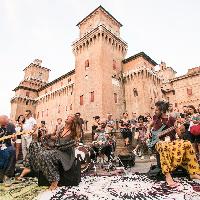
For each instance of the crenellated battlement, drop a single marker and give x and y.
(97, 34)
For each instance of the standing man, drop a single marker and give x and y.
(29, 125)
(81, 123)
(58, 129)
(133, 124)
(110, 124)
(7, 151)
(172, 111)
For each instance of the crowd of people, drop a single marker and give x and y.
(172, 136)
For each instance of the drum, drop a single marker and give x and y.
(84, 153)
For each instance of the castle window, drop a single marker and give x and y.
(135, 92)
(58, 108)
(87, 64)
(114, 65)
(69, 80)
(81, 100)
(115, 97)
(27, 94)
(66, 108)
(71, 107)
(189, 91)
(176, 105)
(38, 114)
(92, 96)
(42, 114)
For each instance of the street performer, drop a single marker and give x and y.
(174, 152)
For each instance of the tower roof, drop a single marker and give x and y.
(104, 10)
(141, 54)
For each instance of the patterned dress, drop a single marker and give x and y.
(177, 153)
(48, 161)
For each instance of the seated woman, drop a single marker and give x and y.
(101, 144)
(177, 153)
(47, 161)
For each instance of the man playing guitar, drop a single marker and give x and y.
(161, 119)
(171, 154)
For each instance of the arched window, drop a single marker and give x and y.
(81, 100)
(115, 97)
(92, 96)
(114, 65)
(87, 64)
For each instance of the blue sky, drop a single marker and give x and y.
(45, 29)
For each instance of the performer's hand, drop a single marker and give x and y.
(149, 135)
(34, 135)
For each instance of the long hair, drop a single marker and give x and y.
(75, 128)
(163, 106)
(19, 118)
(191, 106)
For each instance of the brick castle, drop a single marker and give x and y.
(103, 81)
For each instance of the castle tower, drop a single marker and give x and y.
(166, 72)
(35, 76)
(141, 83)
(99, 52)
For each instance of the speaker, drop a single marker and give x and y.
(127, 160)
(72, 177)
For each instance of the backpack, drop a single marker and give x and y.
(195, 130)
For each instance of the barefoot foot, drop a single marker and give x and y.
(170, 182)
(195, 176)
(54, 185)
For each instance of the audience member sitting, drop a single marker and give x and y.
(100, 144)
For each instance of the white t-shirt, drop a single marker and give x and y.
(29, 124)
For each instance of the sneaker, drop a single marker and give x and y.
(152, 158)
(142, 158)
(135, 152)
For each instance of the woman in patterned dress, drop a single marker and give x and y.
(47, 161)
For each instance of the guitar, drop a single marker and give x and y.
(14, 135)
(156, 135)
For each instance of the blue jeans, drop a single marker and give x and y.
(8, 161)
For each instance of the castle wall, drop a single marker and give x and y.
(56, 100)
(186, 91)
(142, 90)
